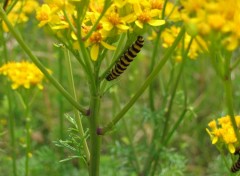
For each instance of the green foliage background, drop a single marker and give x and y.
(189, 152)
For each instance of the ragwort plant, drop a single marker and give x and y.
(84, 28)
(89, 30)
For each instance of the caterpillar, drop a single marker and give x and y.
(236, 166)
(125, 59)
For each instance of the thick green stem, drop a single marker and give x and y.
(39, 64)
(95, 139)
(144, 86)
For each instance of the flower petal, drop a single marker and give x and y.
(156, 22)
(110, 47)
(94, 52)
(139, 24)
(231, 148)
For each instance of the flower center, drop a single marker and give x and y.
(144, 17)
(96, 37)
(44, 16)
(156, 4)
(113, 18)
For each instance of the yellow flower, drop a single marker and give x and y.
(44, 15)
(95, 41)
(169, 35)
(147, 17)
(53, 15)
(222, 132)
(22, 74)
(113, 23)
(30, 6)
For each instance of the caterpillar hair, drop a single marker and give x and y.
(126, 59)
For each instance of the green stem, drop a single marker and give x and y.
(164, 9)
(5, 50)
(149, 79)
(85, 54)
(12, 132)
(10, 6)
(176, 125)
(5, 59)
(60, 100)
(95, 139)
(76, 112)
(28, 139)
(153, 59)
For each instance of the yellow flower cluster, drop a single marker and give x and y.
(120, 17)
(20, 11)
(198, 45)
(22, 74)
(207, 17)
(222, 132)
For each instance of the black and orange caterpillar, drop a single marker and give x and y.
(126, 59)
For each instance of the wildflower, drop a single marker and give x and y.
(214, 17)
(146, 16)
(169, 35)
(222, 132)
(96, 40)
(113, 23)
(22, 74)
(44, 15)
(119, 18)
(53, 15)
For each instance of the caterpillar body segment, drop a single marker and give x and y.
(126, 59)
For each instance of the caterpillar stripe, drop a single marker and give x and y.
(126, 59)
(236, 166)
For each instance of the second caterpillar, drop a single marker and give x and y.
(126, 59)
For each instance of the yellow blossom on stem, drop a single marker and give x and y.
(146, 16)
(44, 15)
(113, 23)
(22, 74)
(95, 41)
(222, 132)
